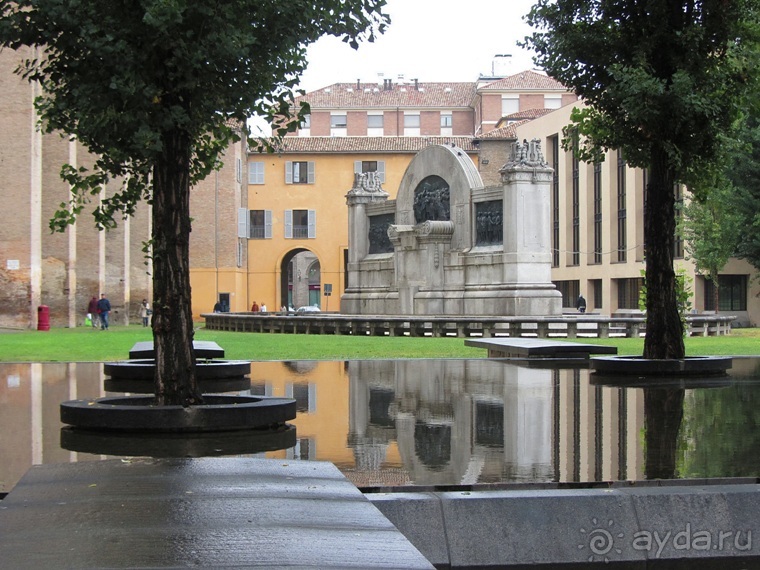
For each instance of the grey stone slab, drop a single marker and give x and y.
(202, 348)
(549, 529)
(536, 347)
(688, 526)
(420, 518)
(214, 513)
(710, 523)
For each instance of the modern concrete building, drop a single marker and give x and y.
(598, 234)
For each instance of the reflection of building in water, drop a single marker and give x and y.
(30, 396)
(598, 430)
(387, 423)
(320, 392)
(480, 421)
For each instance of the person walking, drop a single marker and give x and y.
(92, 312)
(581, 304)
(255, 307)
(145, 312)
(104, 308)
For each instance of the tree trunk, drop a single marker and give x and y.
(716, 291)
(663, 413)
(664, 330)
(175, 382)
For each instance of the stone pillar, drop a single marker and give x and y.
(526, 179)
(366, 190)
(435, 238)
(408, 268)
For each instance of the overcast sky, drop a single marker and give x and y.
(430, 40)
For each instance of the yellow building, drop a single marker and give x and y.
(292, 213)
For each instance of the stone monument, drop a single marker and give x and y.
(449, 246)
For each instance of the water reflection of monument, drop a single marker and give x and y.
(481, 421)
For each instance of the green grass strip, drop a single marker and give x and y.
(85, 344)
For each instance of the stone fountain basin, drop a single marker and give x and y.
(635, 371)
(140, 413)
(144, 369)
(206, 386)
(178, 444)
(698, 365)
(213, 376)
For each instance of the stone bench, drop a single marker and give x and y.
(513, 347)
(202, 348)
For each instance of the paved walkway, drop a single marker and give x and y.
(206, 513)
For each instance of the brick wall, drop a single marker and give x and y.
(531, 101)
(430, 123)
(357, 123)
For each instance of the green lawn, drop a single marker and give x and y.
(87, 344)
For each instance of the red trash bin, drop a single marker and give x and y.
(43, 318)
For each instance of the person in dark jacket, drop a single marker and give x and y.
(104, 308)
(92, 311)
(581, 304)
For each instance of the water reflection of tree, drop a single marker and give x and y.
(663, 412)
(720, 436)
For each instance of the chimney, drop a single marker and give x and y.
(401, 79)
(358, 85)
(416, 84)
(387, 84)
(501, 64)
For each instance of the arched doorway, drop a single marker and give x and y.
(301, 279)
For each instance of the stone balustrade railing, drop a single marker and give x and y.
(567, 326)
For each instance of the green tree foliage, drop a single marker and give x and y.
(156, 90)
(744, 173)
(720, 436)
(711, 228)
(663, 80)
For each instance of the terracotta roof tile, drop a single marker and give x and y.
(370, 95)
(525, 81)
(527, 114)
(295, 145)
(506, 132)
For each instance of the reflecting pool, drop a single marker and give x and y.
(447, 422)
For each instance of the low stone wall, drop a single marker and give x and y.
(567, 326)
(670, 524)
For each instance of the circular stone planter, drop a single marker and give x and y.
(145, 369)
(178, 444)
(635, 370)
(213, 376)
(208, 386)
(140, 413)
